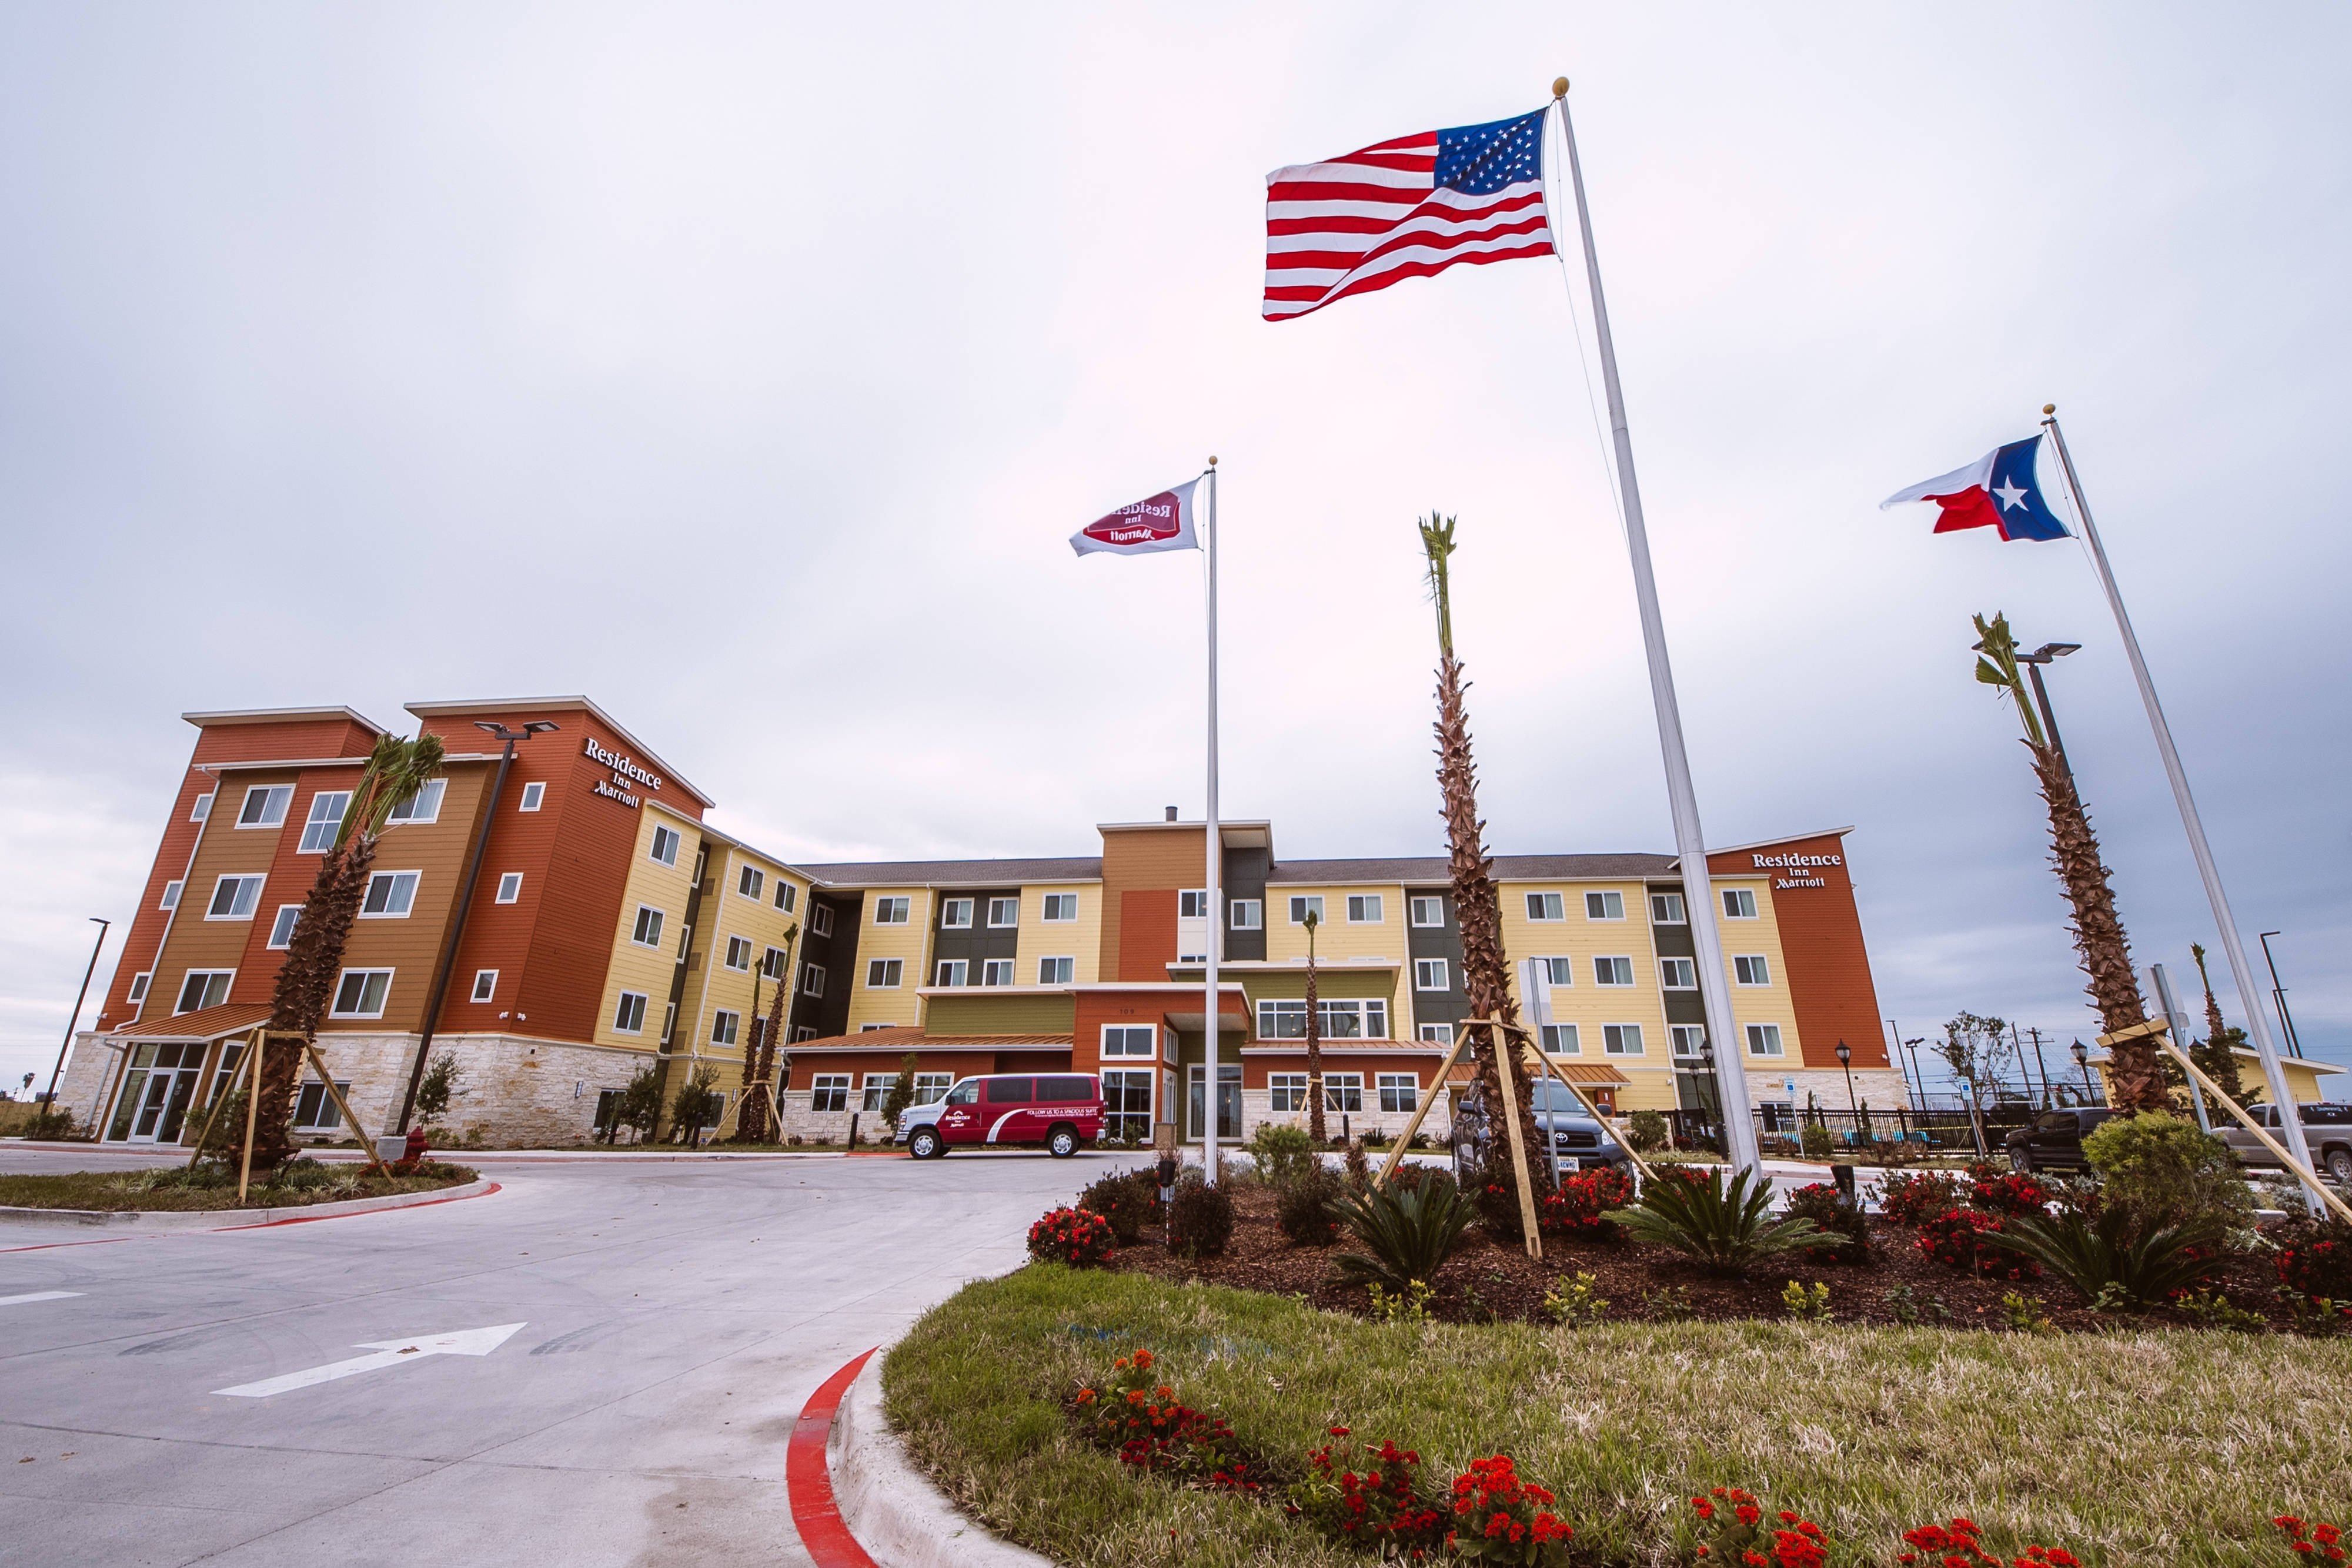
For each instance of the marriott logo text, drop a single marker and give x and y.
(626, 767)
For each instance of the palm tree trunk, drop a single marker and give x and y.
(1315, 1128)
(305, 987)
(2135, 1067)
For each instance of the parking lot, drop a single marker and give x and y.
(599, 1364)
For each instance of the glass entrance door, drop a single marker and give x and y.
(156, 1093)
(1229, 1101)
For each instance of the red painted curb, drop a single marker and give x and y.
(808, 1482)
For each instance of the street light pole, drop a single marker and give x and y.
(1845, 1059)
(2082, 1054)
(2038, 1062)
(2278, 995)
(82, 996)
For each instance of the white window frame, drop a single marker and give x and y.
(738, 945)
(1619, 1034)
(319, 827)
(1437, 1033)
(1559, 974)
(871, 1028)
(1343, 1092)
(534, 794)
(1010, 908)
(1678, 1034)
(422, 809)
(884, 974)
(273, 800)
(1129, 1036)
(771, 964)
(172, 891)
(628, 1019)
(1678, 974)
(1751, 969)
(414, 880)
(1367, 909)
(643, 934)
(875, 1089)
(1613, 960)
(228, 984)
(812, 984)
(383, 998)
(1286, 1092)
(669, 1022)
(1669, 909)
(1763, 1035)
(996, 972)
(751, 883)
(952, 972)
(1422, 904)
(1432, 975)
(201, 807)
(1302, 903)
(1246, 914)
(1271, 1010)
(243, 901)
(726, 1026)
(821, 919)
(1562, 1039)
(137, 995)
(1604, 900)
(1739, 904)
(787, 895)
(1058, 906)
(1058, 969)
(486, 985)
(1351, 1018)
(955, 915)
(509, 887)
(893, 909)
(662, 849)
(1545, 907)
(824, 1086)
(281, 918)
(1192, 903)
(1400, 1093)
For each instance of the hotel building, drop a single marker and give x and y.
(611, 928)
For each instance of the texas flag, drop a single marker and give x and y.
(1997, 491)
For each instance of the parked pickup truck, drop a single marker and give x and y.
(2326, 1127)
(2053, 1141)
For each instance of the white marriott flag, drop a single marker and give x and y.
(1162, 522)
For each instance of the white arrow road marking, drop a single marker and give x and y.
(37, 1296)
(388, 1353)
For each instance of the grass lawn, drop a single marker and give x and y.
(2159, 1446)
(176, 1189)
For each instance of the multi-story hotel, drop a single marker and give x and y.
(609, 927)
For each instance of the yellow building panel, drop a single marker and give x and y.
(1771, 1003)
(1079, 939)
(1338, 938)
(739, 921)
(646, 968)
(909, 941)
(1579, 937)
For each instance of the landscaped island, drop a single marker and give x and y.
(176, 1189)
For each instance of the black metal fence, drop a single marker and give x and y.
(1931, 1131)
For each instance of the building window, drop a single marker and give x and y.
(648, 928)
(1427, 910)
(1129, 1040)
(1749, 969)
(1127, 1106)
(1604, 906)
(665, 845)
(1003, 913)
(952, 972)
(1334, 1019)
(315, 1110)
(1739, 903)
(1678, 974)
(360, 994)
(1546, 906)
(1061, 906)
(1666, 909)
(1612, 971)
(171, 896)
(1558, 971)
(1621, 1038)
(738, 954)
(724, 1027)
(1686, 1039)
(233, 898)
(509, 887)
(1437, 1033)
(1192, 903)
(805, 1032)
(786, 896)
(1248, 914)
(533, 794)
(1400, 1092)
(884, 974)
(685, 941)
(1286, 1091)
(771, 964)
(425, 806)
(821, 919)
(1366, 909)
(752, 882)
(1343, 1092)
(326, 819)
(1304, 904)
(1282, 1020)
(877, 1089)
(203, 988)
(897, 911)
(996, 972)
(870, 1028)
(828, 1091)
(955, 915)
(629, 1017)
(812, 981)
(485, 983)
(669, 1022)
(1431, 974)
(390, 895)
(1763, 1040)
(1561, 1040)
(201, 807)
(1056, 971)
(930, 1088)
(138, 992)
(265, 805)
(281, 930)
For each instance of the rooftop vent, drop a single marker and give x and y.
(1171, 813)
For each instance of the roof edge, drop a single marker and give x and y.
(583, 704)
(208, 718)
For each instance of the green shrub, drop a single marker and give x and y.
(1303, 1206)
(1572, 1303)
(1646, 1131)
(1845, 1234)
(2110, 1258)
(1280, 1151)
(1815, 1142)
(2164, 1171)
(1200, 1217)
(1726, 1230)
(1408, 1231)
(1807, 1305)
(1129, 1199)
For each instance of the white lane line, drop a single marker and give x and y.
(38, 1296)
(388, 1353)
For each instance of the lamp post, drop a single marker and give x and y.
(2278, 995)
(1714, 1087)
(465, 900)
(1912, 1045)
(2049, 652)
(2081, 1055)
(1846, 1060)
(80, 996)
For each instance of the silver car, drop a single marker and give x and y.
(2326, 1127)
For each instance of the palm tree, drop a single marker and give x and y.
(395, 771)
(1314, 1040)
(2135, 1070)
(2219, 1057)
(756, 1121)
(1485, 972)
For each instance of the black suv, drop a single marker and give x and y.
(2053, 1140)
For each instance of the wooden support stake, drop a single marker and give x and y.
(2273, 1145)
(252, 1104)
(213, 1116)
(1389, 1165)
(1510, 1110)
(319, 1066)
(1587, 1101)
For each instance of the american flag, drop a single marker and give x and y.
(1407, 208)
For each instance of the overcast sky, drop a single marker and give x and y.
(746, 368)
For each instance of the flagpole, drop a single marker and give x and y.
(1210, 1020)
(1690, 844)
(2274, 1074)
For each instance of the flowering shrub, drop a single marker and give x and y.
(1915, 1198)
(2007, 1192)
(1129, 1199)
(2315, 1263)
(1077, 1237)
(2312, 1541)
(1741, 1535)
(1953, 1239)
(1955, 1545)
(1141, 1419)
(1575, 1210)
(1845, 1238)
(1380, 1507)
(1499, 1518)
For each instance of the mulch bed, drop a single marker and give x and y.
(1485, 1281)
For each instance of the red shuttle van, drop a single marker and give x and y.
(1054, 1111)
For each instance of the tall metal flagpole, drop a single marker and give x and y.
(1209, 1021)
(1690, 844)
(2242, 972)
